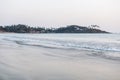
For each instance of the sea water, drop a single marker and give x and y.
(108, 43)
(59, 56)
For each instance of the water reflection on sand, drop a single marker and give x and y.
(33, 63)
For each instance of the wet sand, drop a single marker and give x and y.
(39, 63)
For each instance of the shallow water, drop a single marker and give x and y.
(59, 57)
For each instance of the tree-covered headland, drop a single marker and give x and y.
(20, 28)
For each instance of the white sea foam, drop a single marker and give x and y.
(104, 42)
(59, 57)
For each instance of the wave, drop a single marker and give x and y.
(107, 48)
(66, 43)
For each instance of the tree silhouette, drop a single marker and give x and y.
(94, 26)
(20, 28)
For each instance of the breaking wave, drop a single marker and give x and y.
(92, 42)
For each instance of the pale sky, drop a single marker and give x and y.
(57, 13)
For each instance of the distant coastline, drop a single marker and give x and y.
(21, 28)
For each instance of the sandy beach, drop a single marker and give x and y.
(24, 62)
(27, 63)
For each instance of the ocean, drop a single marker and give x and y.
(59, 56)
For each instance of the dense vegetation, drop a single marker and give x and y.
(69, 29)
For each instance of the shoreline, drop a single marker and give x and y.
(30, 61)
(47, 64)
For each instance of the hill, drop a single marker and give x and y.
(20, 28)
(78, 29)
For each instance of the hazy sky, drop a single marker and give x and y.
(56, 13)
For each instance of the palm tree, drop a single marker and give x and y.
(94, 26)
